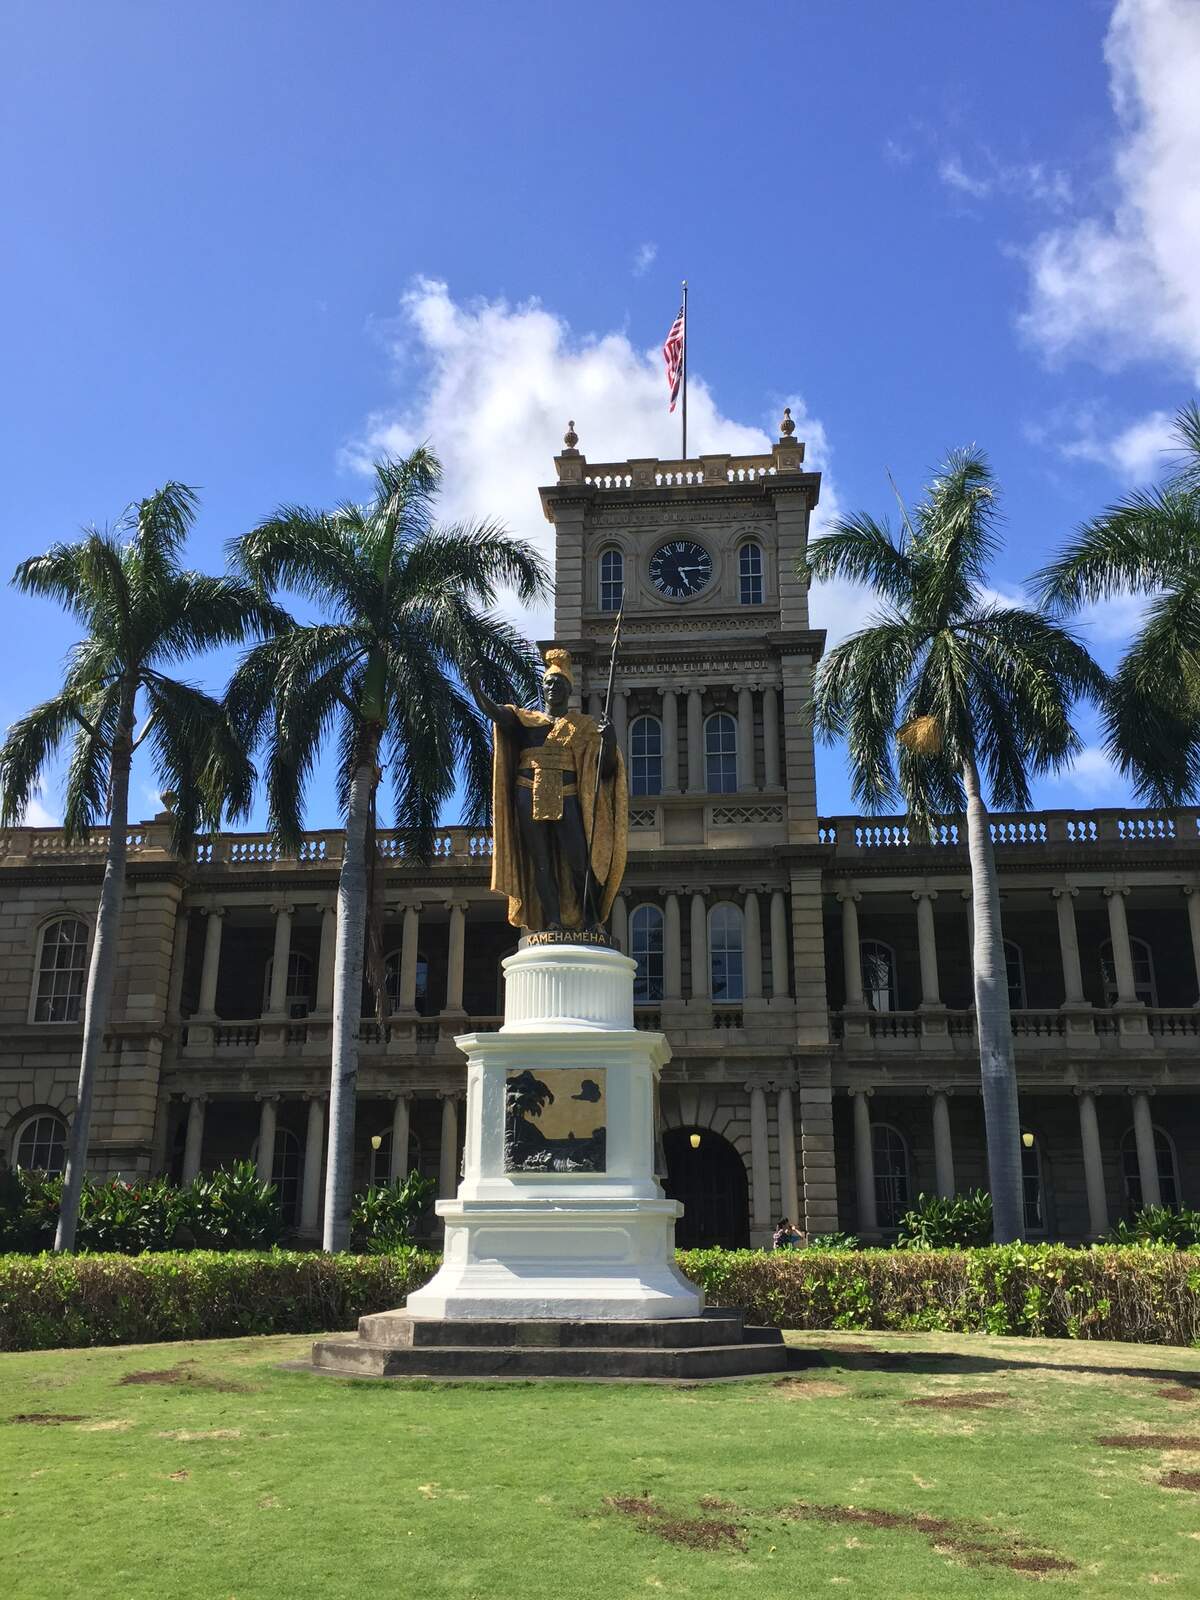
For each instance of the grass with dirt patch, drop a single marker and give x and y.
(885, 1464)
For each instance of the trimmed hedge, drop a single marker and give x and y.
(1150, 1296)
(1046, 1291)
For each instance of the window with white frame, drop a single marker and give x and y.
(1014, 966)
(878, 975)
(41, 1144)
(391, 980)
(725, 952)
(62, 971)
(890, 1156)
(381, 1159)
(750, 574)
(720, 754)
(646, 948)
(299, 996)
(1144, 987)
(286, 1167)
(645, 756)
(612, 580)
(1164, 1161)
(1031, 1183)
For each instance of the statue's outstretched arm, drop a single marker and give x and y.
(503, 716)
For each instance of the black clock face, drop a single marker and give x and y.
(680, 568)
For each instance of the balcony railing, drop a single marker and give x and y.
(915, 1028)
(858, 838)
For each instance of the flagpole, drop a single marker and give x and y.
(685, 365)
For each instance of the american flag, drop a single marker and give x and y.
(673, 356)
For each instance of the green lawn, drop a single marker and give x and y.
(234, 1478)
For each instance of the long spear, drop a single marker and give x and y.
(612, 672)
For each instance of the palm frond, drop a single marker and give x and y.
(864, 551)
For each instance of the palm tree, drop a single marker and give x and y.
(1148, 543)
(975, 694)
(382, 676)
(142, 615)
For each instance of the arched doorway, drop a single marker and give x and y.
(710, 1178)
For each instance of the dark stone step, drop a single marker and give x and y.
(358, 1358)
(400, 1330)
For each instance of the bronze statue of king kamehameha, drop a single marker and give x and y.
(560, 812)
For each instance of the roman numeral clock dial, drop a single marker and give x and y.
(680, 568)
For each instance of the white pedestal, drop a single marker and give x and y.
(593, 1245)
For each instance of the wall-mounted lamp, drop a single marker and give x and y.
(694, 1140)
(1027, 1140)
(376, 1140)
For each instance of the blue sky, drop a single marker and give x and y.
(247, 245)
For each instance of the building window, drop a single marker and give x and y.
(41, 1144)
(1014, 964)
(720, 754)
(1031, 1183)
(750, 574)
(62, 971)
(890, 1155)
(381, 1159)
(1144, 987)
(299, 997)
(1164, 1160)
(645, 756)
(286, 1167)
(646, 948)
(878, 975)
(725, 952)
(612, 580)
(391, 983)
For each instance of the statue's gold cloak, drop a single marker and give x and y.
(605, 822)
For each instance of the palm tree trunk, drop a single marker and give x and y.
(347, 1007)
(1001, 1118)
(99, 985)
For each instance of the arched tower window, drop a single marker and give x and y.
(750, 574)
(41, 1144)
(720, 754)
(1144, 987)
(61, 971)
(612, 580)
(878, 974)
(1164, 1161)
(645, 756)
(725, 952)
(646, 948)
(890, 1156)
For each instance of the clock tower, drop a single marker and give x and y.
(721, 905)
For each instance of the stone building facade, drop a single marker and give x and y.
(811, 973)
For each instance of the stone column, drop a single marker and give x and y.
(1068, 945)
(1118, 930)
(325, 958)
(927, 947)
(448, 1163)
(266, 1136)
(596, 704)
(620, 924)
(695, 742)
(760, 1161)
(399, 1166)
(745, 739)
(779, 946)
(700, 972)
(864, 1163)
(620, 718)
(770, 713)
(314, 1145)
(789, 1186)
(1093, 1164)
(210, 969)
(457, 946)
(751, 946)
(1143, 1134)
(943, 1148)
(277, 999)
(1193, 911)
(851, 953)
(194, 1142)
(408, 956)
(672, 950)
(670, 742)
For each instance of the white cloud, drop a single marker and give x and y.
(644, 258)
(1091, 775)
(495, 384)
(38, 814)
(1126, 284)
(953, 175)
(1136, 453)
(1026, 180)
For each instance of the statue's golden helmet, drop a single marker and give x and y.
(558, 664)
